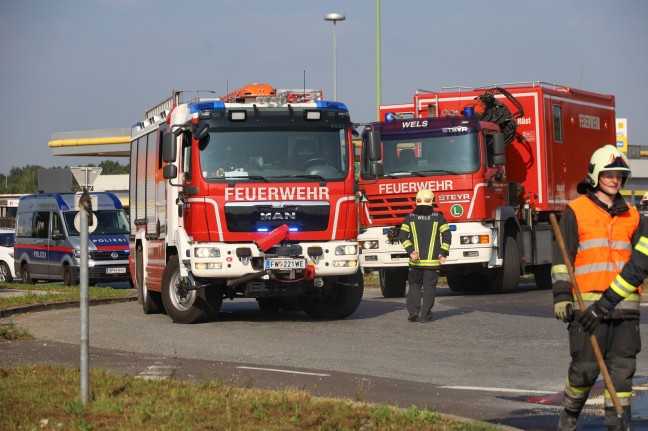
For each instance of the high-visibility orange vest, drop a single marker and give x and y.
(604, 245)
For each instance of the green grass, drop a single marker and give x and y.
(9, 331)
(47, 397)
(50, 293)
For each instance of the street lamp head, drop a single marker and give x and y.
(334, 17)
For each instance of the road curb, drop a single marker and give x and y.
(60, 305)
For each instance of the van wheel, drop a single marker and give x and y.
(69, 277)
(25, 276)
(182, 305)
(5, 273)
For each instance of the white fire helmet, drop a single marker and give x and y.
(425, 197)
(607, 158)
(645, 197)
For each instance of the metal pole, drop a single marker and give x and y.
(335, 17)
(378, 65)
(334, 64)
(85, 321)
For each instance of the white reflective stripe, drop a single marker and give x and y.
(595, 267)
(621, 245)
(593, 243)
(622, 288)
(559, 277)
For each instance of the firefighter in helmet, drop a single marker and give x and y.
(600, 230)
(642, 206)
(426, 237)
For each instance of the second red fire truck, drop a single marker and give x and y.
(251, 195)
(499, 159)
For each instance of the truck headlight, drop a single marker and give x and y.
(345, 250)
(207, 252)
(369, 245)
(474, 239)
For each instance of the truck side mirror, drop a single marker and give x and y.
(169, 172)
(169, 148)
(373, 146)
(202, 136)
(499, 149)
(376, 169)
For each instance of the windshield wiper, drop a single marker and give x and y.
(248, 177)
(403, 173)
(321, 179)
(437, 171)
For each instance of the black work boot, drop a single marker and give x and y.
(568, 421)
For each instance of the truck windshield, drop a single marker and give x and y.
(457, 154)
(109, 222)
(245, 154)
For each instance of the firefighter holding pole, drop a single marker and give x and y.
(597, 234)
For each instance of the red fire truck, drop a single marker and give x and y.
(251, 196)
(499, 159)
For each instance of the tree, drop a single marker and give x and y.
(25, 180)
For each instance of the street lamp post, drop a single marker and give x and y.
(334, 17)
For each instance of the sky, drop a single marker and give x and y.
(77, 65)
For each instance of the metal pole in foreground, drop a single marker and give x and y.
(334, 17)
(83, 293)
(378, 65)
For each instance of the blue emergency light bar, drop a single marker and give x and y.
(212, 105)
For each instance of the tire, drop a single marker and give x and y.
(5, 272)
(461, 283)
(187, 306)
(457, 283)
(542, 275)
(25, 275)
(393, 282)
(507, 278)
(341, 296)
(69, 277)
(151, 301)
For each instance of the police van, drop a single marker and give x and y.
(47, 243)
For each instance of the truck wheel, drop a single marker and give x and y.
(507, 278)
(186, 306)
(69, 277)
(5, 272)
(465, 282)
(393, 282)
(542, 275)
(25, 275)
(151, 301)
(341, 296)
(457, 283)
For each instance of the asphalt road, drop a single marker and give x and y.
(496, 358)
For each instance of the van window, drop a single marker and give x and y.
(6, 239)
(40, 227)
(109, 222)
(24, 225)
(57, 226)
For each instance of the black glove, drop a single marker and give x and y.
(591, 317)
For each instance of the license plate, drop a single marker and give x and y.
(285, 263)
(115, 270)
